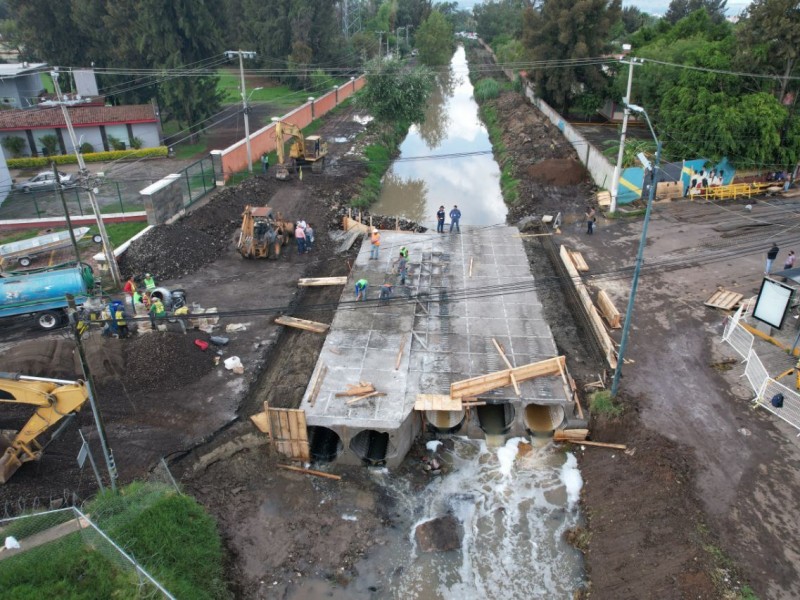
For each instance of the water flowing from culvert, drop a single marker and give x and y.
(418, 182)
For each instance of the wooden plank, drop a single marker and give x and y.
(608, 310)
(319, 281)
(319, 375)
(563, 435)
(261, 420)
(509, 365)
(437, 402)
(269, 423)
(471, 258)
(356, 390)
(364, 397)
(596, 322)
(484, 383)
(310, 472)
(302, 324)
(597, 444)
(400, 352)
(577, 259)
(294, 435)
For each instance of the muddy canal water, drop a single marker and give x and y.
(446, 160)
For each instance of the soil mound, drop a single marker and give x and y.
(58, 358)
(558, 171)
(165, 361)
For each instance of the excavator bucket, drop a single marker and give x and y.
(281, 173)
(9, 461)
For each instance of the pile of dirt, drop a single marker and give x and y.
(558, 171)
(57, 358)
(165, 361)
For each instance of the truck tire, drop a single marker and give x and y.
(49, 319)
(24, 261)
(97, 238)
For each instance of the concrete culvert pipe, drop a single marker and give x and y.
(371, 446)
(543, 420)
(496, 419)
(325, 445)
(445, 421)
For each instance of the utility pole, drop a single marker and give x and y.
(98, 419)
(242, 55)
(639, 255)
(66, 214)
(111, 260)
(380, 43)
(626, 113)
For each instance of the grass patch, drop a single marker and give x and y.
(509, 184)
(230, 85)
(486, 89)
(602, 403)
(119, 233)
(184, 151)
(379, 156)
(6, 237)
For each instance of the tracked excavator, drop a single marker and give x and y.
(303, 151)
(54, 400)
(263, 234)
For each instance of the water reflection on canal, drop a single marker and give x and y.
(432, 169)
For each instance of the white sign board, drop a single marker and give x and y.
(82, 454)
(773, 302)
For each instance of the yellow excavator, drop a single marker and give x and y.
(303, 151)
(54, 399)
(263, 234)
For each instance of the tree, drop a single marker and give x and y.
(770, 40)
(678, 9)
(498, 17)
(564, 29)
(394, 93)
(634, 19)
(435, 40)
(47, 31)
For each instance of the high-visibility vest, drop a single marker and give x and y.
(158, 308)
(120, 317)
(150, 284)
(376, 239)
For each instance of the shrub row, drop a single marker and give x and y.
(70, 159)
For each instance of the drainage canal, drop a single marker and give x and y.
(543, 420)
(371, 446)
(444, 421)
(324, 444)
(496, 419)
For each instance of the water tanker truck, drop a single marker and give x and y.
(43, 294)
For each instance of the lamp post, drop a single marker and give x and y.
(640, 254)
(242, 54)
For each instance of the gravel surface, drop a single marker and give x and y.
(165, 361)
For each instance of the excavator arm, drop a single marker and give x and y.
(53, 399)
(283, 132)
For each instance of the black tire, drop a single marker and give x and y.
(49, 319)
(24, 261)
(26, 190)
(97, 238)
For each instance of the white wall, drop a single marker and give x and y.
(148, 133)
(89, 135)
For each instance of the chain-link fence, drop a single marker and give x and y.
(198, 179)
(64, 553)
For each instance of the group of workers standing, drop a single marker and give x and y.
(143, 296)
(304, 234)
(455, 217)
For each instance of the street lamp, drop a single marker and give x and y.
(640, 254)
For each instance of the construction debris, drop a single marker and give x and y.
(724, 299)
(310, 472)
(608, 310)
(578, 261)
(320, 281)
(364, 397)
(597, 444)
(363, 387)
(485, 383)
(570, 435)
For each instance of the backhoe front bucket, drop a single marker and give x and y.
(281, 172)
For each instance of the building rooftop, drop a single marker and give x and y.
(464, 292)
(15, 69)
(38, 118)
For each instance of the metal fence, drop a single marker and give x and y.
(197, 180)
(112, 197)
(764, 387)
(55, 543)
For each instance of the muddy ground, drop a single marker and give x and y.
(674, 517)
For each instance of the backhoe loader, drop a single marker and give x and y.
(263, 234)
(303, 151)
(54, 400)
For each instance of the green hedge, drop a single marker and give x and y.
(70, 159)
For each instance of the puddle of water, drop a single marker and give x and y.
(418, 183)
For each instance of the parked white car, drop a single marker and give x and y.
(45, 181)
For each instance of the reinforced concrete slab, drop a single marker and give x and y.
(462, 291)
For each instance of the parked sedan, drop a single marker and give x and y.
(45, 181)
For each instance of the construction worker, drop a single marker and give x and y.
(129, 289)
(375, 240)
(265, 162)
(386, 293)
(300, 236)
(149, 282)
(309, 231)
(119, 318)
(455, 217)
(404, 252)
(440, 220)
(157, 311)
(109, 325)
(402, 267)
(361, 289)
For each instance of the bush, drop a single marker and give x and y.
(136, 143)
(602, 403)
(71, 159)
(116, 143)
(486, 89)
(86, 148)
(321, 82)
(50, 143)
(15, 145)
